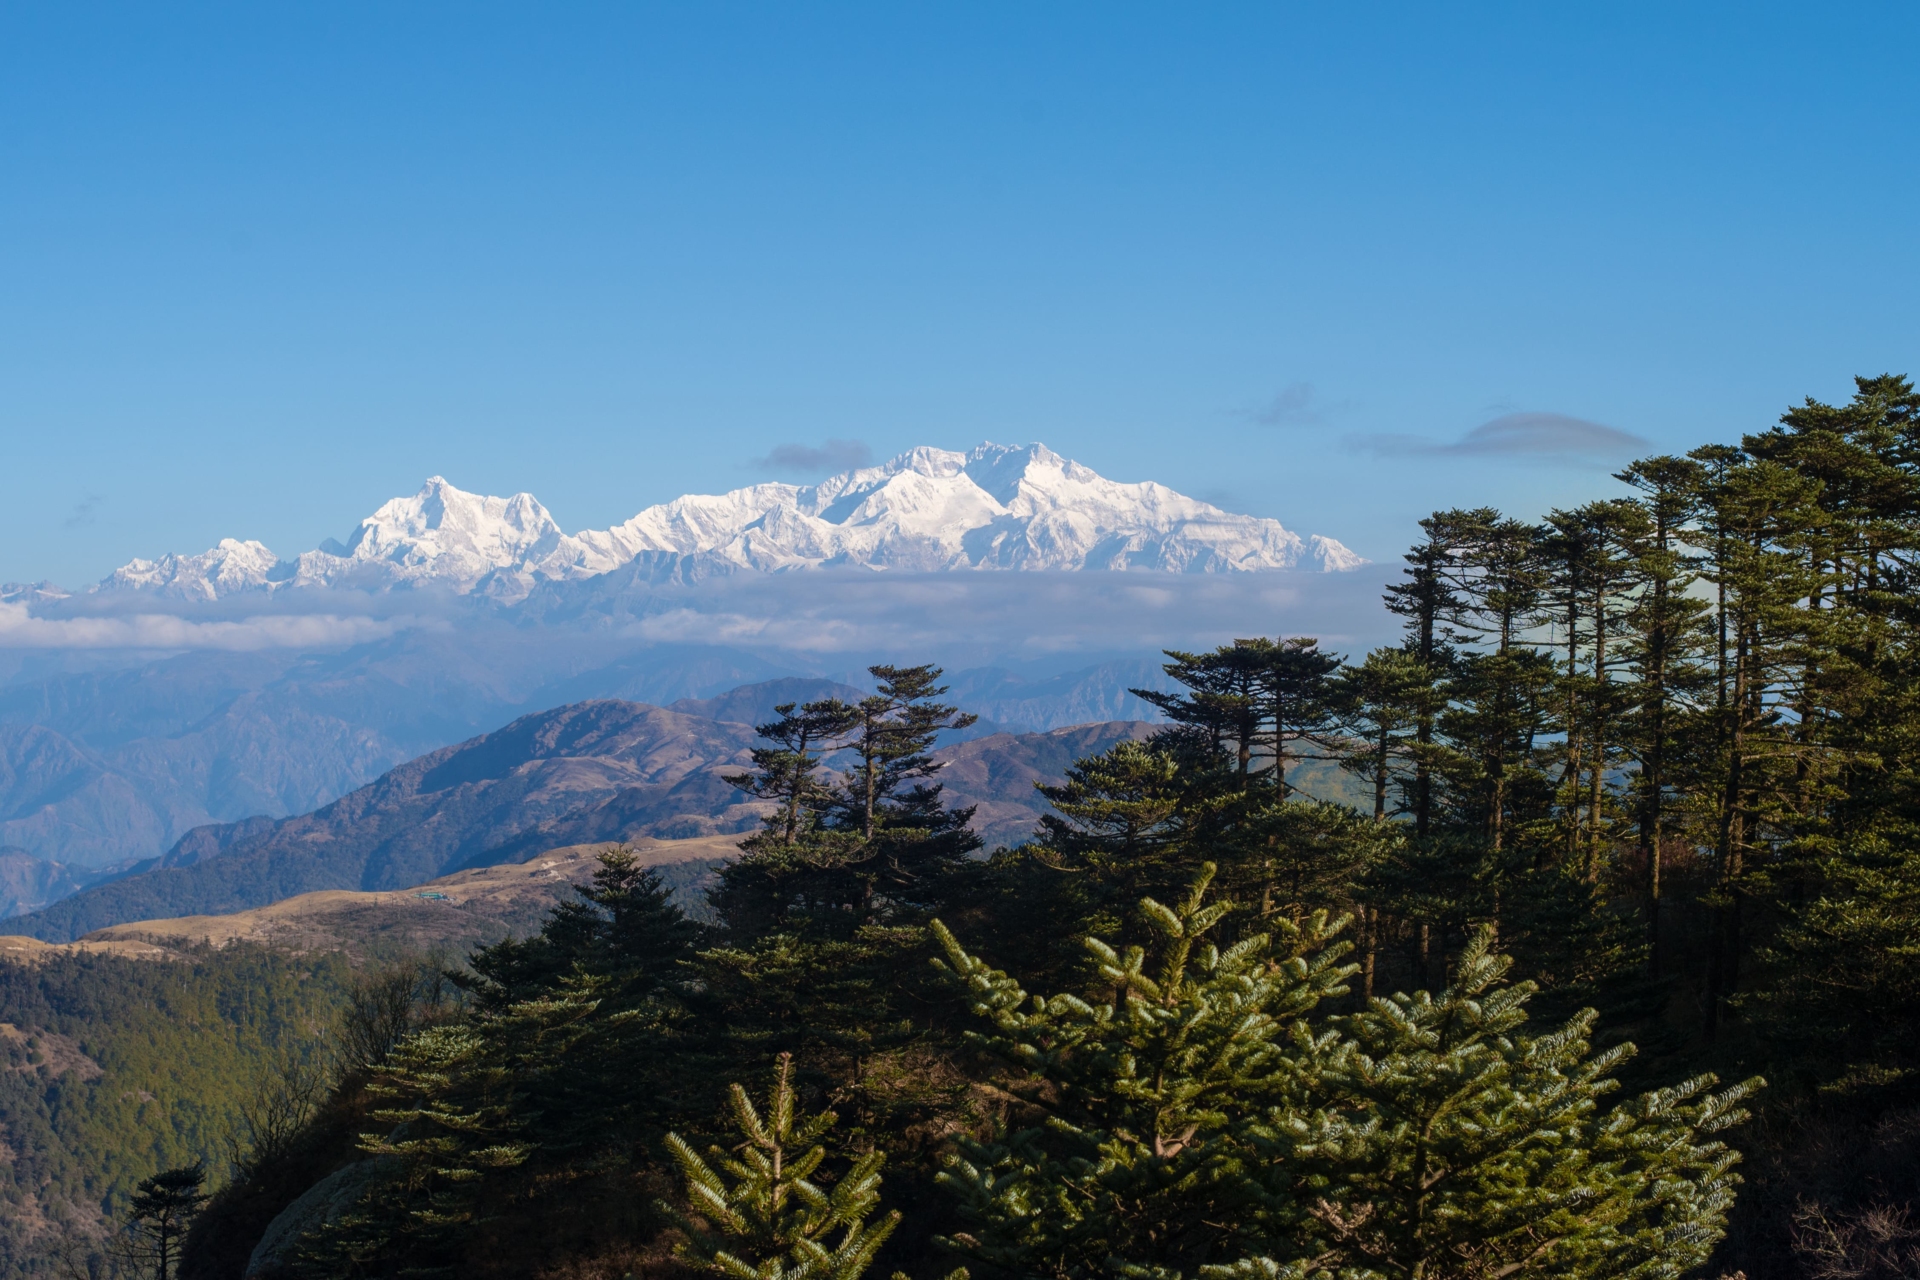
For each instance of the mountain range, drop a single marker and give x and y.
(592, 772)
(995, 507)
(203, 689)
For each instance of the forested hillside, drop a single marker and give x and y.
(1612, 977)
(112, 1068)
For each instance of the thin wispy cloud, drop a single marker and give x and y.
(21, 629)
(958, 618)
(987, 617)
(1294, 405)
(83, 511)
(1512, 435)
(806, 459)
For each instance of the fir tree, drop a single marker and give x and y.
(759, 1215)
(1224, 700)
(1465, 1148)
(1666, 632)
(1121, 1153)
(1201, 1119)
(1383, 702)
(1120, 825)
(789, 861)
(159, 1213)
(624, 926)
(878, 840)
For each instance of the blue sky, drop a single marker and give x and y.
(262, 267)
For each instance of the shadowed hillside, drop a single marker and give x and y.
(593, 773)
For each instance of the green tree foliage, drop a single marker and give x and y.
(1202, 1117)
(1122, 1156)
(159, 1213)
(114, 1068)
(623, 927)
(873, 841)
(757, 1216)
(1646, 769)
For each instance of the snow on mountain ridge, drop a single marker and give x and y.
(995, 507)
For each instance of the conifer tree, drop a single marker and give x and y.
(759, 1215)
(792, 856)
(1259, 698)
(1200, 1118)
(1120, 1155)
(1299, 702)
(1383, 703)
(876, 840)
(1430, 602)
(787, 772)
(159, 1213)
(1589, 573)
(624, 926)
(1120, 825)
(1754, 519)
(1464, 1147)
(1666, 629)
(1224, 700)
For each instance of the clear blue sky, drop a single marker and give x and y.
(262, 267)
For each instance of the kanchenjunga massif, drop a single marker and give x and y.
(1642, 774)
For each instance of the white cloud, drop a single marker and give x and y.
(1028, 615)
(20, 629)
(1539, 435)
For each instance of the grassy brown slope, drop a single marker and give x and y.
(468, 909)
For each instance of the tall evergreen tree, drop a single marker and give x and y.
(1383, 702)
(874, 841)
(1665, 634)
(1200, 1118)
(159, 1213)
(759, 1215)
(910, 840)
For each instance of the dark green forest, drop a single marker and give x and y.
(1613, 974)
(113, 1068)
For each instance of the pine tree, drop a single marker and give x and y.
(1120, 1155)
(1666, 634)
(787, 772)
(1201, 1117)
(1260, 698)
(1755, 517)
(1120, 826)
(1383, 702)
(875, 842)
(1467, 1148)
(1589, 574)
(790, 862)
(1223, 701)
(759, 1215)
(159, 1213)
(624, 926)
(1430, 602)
(1299, 698)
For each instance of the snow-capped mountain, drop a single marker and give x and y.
(996, 507)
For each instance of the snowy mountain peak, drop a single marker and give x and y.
(230, 567)
(445, 532)
(995, 507)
